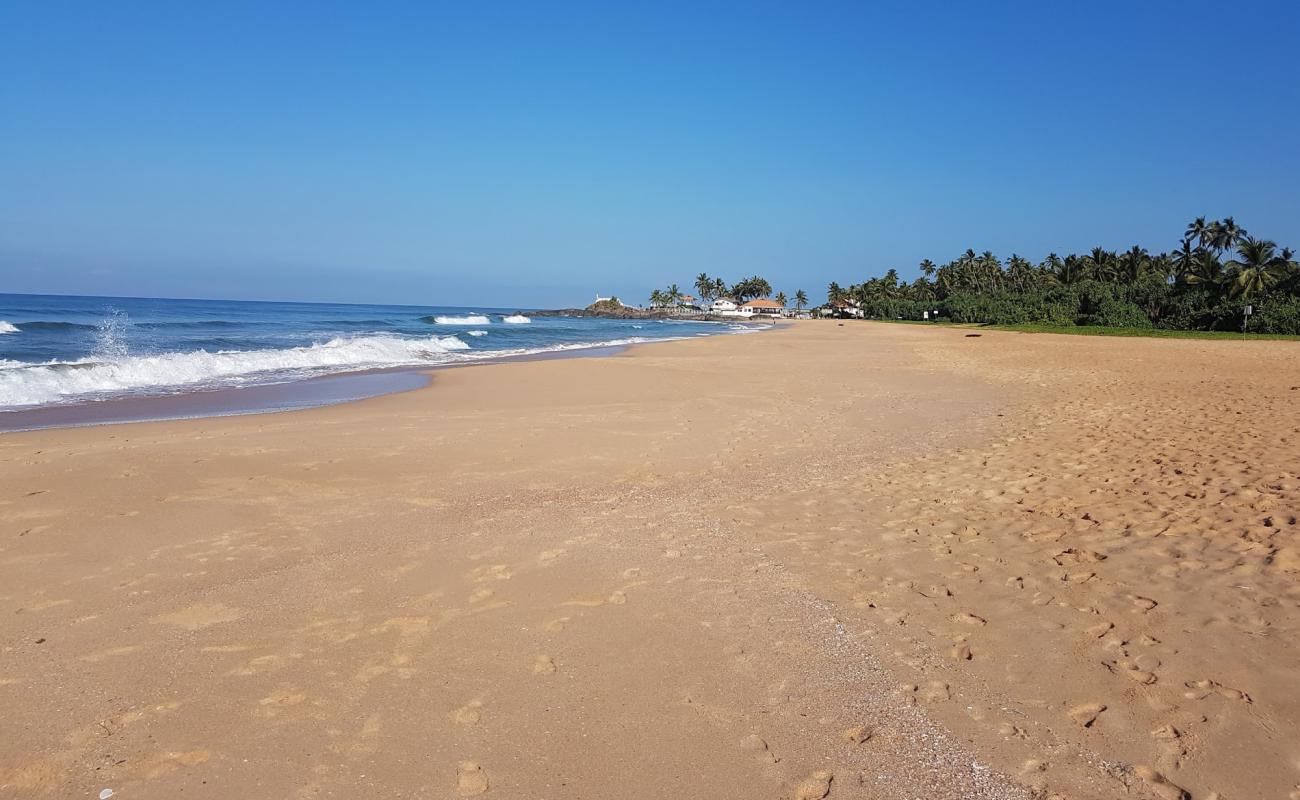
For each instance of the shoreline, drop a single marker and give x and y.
(888, 560)
(274, 398)
(319, 391)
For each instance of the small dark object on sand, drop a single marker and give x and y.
(973, 335)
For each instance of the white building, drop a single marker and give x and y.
(724, 305)
(762, 307)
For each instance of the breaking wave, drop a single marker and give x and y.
(470, 319)
(7, 327)
(516, 319)
(113, 372)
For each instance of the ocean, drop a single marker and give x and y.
(64, 350)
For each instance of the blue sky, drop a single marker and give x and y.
(534, 154)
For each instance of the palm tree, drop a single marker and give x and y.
(673, 295)
(719, 288)
(657, 298)
(1206, 270)
(1185, 259)
(1105, 267)
(800, 299)
(1134, 264)
(1225, 234)
(1199, 230)
(928, 268)
(780, 298)
(704, 285)
(1258, 268)
(834, 293)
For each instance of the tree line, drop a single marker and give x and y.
(1206, 283)
(710, 289)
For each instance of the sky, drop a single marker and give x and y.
(536, 154)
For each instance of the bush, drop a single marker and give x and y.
(1118, 314)
(1276, 315)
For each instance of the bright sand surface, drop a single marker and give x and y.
(867, 560)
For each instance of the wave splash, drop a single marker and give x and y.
(7, 327)
(108, 373)
(469, 319)
(516, 319)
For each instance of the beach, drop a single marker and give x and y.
(856, 560)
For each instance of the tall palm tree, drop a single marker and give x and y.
(657, 298)
(800, 299)
(673, 295)
(780, 298)
(1225, 234)
(719, 288)
(1185, 259)
(1258, 267)
(704, 285)
(834, 293)
(928, 268)
(1199, 230)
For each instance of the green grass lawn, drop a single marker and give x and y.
(1093, 330)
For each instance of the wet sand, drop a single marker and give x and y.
(848, 561)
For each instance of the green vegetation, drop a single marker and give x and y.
(712, 288)
(1192, 288)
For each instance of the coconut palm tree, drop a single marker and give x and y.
(1258, 267)
(835, 293)
(800, 299)
(1185, 259)
(657, 299)
(673, 295)
(704, 285)
(1225, 234)
(928, 268)
(1103, 263)
(1134, 264)
(1199, 230)
(780, 298)
(1206, 271)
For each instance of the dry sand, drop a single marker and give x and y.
(850, 561)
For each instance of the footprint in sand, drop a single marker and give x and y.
(859, 734)
(556, 625)
(544, 665)
(471, 780)
(932, 692)
(468, 714)
(815, 786)
(756, 745)
(1087, 713)
(198, 616)
(1203, 689)
(1161, 785)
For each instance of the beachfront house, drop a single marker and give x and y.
(762, 307)
(724, 305)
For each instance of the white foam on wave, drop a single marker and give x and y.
(7, 327)
(471, 319)
(477, 333)
(516, 319)
(23, 385)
